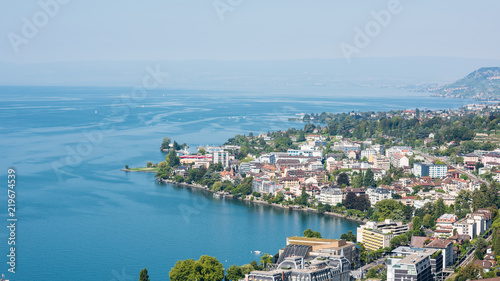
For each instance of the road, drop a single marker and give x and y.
(379, 261)
(431, 158)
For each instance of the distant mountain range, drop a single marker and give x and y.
(482, 84)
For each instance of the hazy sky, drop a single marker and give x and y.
(252, 30)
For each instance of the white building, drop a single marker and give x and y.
(465, 226)
(331, 196)
(367, 153)
(315, 165)
(376, 235)
(331, 164)
(265, 185)
(414, 267)
(381, 162)
(304, 151)
(399, 160)
(223, 157)
(480, 221)
(404, 150)
(446, 246)
(430, 170)
(377, 194)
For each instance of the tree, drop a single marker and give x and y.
(282, 143)
(439, 208)
(234, 272)
(312, 234)
(217, 186)
(206, 268)
(304, 197)
(172, 159)
(357, 181)
(427, 221)
(183, 270)
(372, 273)
(368, 179)
(349, 236)
(495, 247)
(301, 136)
(143, 276)
(401, 239)
(321, 208)
(352, 201)
(202, 151)
(386, 209)
(267, 259)
(469, 272)
(478, 254)
(165, 143)
(343, 179)
(463, 199)
(481, 245)
(396, 196)
(247, 268)
(398, 215)
(209, 268)
(126, 167)
(149, 164)
(417, 226)
(479, 165)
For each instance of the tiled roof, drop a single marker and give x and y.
(439, 243)
(418, 241)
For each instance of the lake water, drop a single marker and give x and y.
(81, 218)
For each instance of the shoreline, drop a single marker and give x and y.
(136, 171)
(257, 201)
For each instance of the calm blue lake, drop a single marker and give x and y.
(81, 218)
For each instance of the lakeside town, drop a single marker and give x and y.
(423, 185)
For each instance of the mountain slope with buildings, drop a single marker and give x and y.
(482, 84)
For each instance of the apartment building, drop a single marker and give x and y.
(416, 267)
(404, 150)
(331, 196)
(376, 235)
(444, 224)
(381, 162)
(446, 246)
(491, 159)
(399, 160)
(435, 255)
(367, 153)
(429, 170)
(223, 157)
(377, 194)
(482, 220)
(465, 226)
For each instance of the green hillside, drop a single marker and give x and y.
(482, 84)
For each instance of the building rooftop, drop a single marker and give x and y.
(418, 241)
(405, 250)
(294, 251)
(412, 259)
(483, 263)
(447, 218)
(439, 243)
